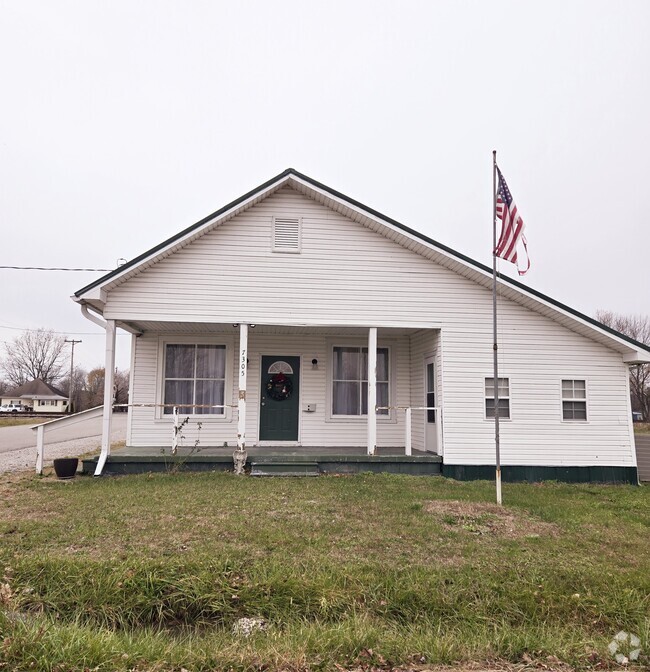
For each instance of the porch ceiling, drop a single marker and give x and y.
(191, 328)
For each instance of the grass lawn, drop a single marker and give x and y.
(642, 427)
(12, 422)
(367, 572)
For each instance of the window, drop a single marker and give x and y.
(350, 381)
(504, 397)
(574, 400)
(194, 378)
(430, 400)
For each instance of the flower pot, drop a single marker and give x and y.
(66, 467)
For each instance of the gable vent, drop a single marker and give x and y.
(286, 234)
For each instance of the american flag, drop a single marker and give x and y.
(512, 227)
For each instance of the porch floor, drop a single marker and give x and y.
(325, 460)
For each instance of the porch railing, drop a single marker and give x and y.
(93, 413)
(408, 424)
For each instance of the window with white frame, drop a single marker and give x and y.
(504, 398)
(574, 400)
(194, 380)
(350, 381)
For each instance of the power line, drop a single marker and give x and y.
(45, 268)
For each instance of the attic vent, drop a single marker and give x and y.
(286, 234)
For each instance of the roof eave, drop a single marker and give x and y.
(272, 184)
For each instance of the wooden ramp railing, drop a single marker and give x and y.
(58, 423)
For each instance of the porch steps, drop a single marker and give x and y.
(284, 468)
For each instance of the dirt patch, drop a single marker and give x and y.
(489, 519)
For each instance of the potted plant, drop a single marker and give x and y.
(66, 467)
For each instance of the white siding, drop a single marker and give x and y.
(347, 274)
(535, 354)
(316, 429)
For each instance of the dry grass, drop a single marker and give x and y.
(480, 518)
(14, 422)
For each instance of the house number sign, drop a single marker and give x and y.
(242, 365)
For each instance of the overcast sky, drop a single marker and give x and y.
(124, 122)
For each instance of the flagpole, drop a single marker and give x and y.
(494, 325)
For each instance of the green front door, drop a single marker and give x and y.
(279, 398)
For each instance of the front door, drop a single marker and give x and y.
(279, 398)
(430, 429)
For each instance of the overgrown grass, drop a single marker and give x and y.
(642, 427)
(151, 572)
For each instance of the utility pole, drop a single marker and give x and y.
(73, 343)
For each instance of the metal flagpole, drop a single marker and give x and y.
(494, 324)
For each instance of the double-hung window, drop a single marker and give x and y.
(574, 400)
(504, 397)
(350, 381)
(195, 376)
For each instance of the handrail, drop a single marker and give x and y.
(408, 448)
(66, 421)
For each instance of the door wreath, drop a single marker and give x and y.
(279, 387)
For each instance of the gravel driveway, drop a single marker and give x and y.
(87, 437)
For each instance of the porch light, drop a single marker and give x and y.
(314, 363)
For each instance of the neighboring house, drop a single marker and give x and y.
(39, 396)
(261, 320)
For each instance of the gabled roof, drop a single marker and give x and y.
(388, 227)
(35, 389)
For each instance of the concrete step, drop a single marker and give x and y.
(284, 468)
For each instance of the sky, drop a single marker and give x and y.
(124, 122)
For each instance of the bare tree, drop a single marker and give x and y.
(36, 353)
(95, 387)
(638, 328)
(121, 387)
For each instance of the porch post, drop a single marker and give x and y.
(239, 456)
(109, 379)
(372, 390)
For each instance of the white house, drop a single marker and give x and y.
(287, 315)
(38, 395)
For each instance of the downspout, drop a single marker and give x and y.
(109, 327)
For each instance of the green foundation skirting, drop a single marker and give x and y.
(535, 474)
(424, 465)
(421, 465)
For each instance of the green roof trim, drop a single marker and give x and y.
(337, 194)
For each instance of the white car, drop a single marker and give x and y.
(13, 408)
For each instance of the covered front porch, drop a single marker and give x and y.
(206, 395)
